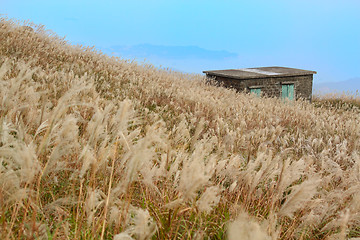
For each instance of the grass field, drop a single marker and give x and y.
(97, 147)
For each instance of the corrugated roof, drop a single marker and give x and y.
(261, 72)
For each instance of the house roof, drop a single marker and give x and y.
(261, 72)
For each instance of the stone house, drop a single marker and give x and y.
(287, 83)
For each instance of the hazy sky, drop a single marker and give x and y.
(316, 35)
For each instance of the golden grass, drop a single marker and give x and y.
(338, 101)
(96, 147)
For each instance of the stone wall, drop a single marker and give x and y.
(270, 86)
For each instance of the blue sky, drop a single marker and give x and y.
(197, 35)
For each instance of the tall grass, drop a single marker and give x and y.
(344, 101)
(96, 147)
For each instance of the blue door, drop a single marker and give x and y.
(288, 91)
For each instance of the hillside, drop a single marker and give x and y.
(96, 147)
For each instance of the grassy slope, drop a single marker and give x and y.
(98, 147)
(339, 102)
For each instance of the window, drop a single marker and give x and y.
(287, 91)
(256, 91)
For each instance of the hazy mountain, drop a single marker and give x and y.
(350, 86)
(190, 59)
(169, 52)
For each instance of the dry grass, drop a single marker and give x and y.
(93, 147)
(338, 101)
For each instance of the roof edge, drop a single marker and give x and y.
(259, 75)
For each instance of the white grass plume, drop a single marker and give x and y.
(246, 228)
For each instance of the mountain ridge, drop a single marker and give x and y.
(350, 86)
